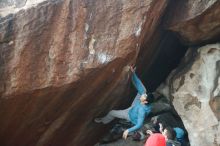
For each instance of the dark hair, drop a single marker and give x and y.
(170, 133)
(150, 97)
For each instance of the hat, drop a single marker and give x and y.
(156, 139)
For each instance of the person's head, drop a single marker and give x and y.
(147, 98)
(143, 98)
(169, 133)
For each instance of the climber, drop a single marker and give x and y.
(136, 113)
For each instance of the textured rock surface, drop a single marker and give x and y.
(195, 90)
(13, 6)
(196, 21)
(12, 3)
(61, 64)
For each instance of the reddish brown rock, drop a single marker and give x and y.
(62, 63)
(195, 21)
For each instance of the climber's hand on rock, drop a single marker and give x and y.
(125, 134)
(132, 68)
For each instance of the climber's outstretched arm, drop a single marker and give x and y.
(137, 82)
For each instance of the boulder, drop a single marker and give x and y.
(194, 86)
(64, 62)
(195, 21)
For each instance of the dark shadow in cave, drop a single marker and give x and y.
(169, 54)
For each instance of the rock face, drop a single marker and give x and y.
(195, 21)
(11, 3)
(62, 63)
(195, 89)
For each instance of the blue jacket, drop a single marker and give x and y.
(137, 115)
(138, 84)
(138, 111)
